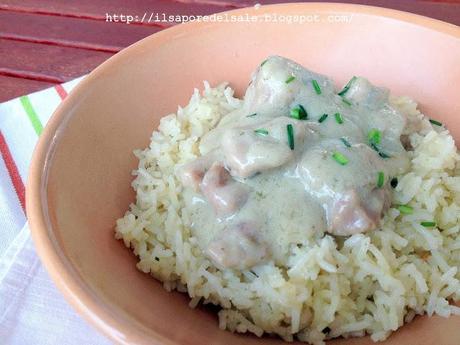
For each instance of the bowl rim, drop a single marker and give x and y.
(58, 266)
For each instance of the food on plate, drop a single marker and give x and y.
(302, 210)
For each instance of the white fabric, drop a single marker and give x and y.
(32, 310)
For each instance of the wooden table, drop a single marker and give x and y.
(45, 42)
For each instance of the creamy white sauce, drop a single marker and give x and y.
(252, 196)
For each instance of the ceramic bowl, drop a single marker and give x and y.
(79, 181)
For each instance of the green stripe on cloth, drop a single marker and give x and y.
(31, 114)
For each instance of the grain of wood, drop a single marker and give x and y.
(53, 61)
(14, 87)
(98, 9)
(73, 32)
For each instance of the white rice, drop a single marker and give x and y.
(370, 284)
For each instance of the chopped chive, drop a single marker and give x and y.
(263, 62)
(288, 80)
(295, 113)
(261, 131)
(394, 182)
(380, 179)
(428, 224)
(323, 118)
(339, 158)
(346, 101)
(436, 123)
(347, 87)
(381, 153)
(374, 136)
(303, 112)
(316, 87)
(252, 115)
(338, 118)
(345, 142)
(299, 113)
(405, 209)
(290, 134)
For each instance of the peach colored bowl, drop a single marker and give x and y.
(80, 178)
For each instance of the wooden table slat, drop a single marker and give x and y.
(98, 9)
(13, 87)
(54, 61)
(76, 32)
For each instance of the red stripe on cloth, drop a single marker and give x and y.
(60, 90)
(13, 172)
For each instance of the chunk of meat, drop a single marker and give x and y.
(240, 247)
(361, 91)
(269, 91)
(223, 193)
(350, 214)
(245, 154)
(192, 173)
(383, 117)
(270, 96)
(273, 90)
(349, 194)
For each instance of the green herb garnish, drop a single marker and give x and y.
(436, 123)
(299, 113)
(288, 80)
(316, 87)
(374, 136)
(428, 224)
(252, 115)
(303, 112)
(290, 134)
(338, 118)
(405, 209)
(339, 158)
(323, 118)
(347, 87)
(261, 131)
(380, 179)
(346, 101)
(345, 142)
(381, 153)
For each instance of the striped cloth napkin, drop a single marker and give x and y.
(32, 311)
